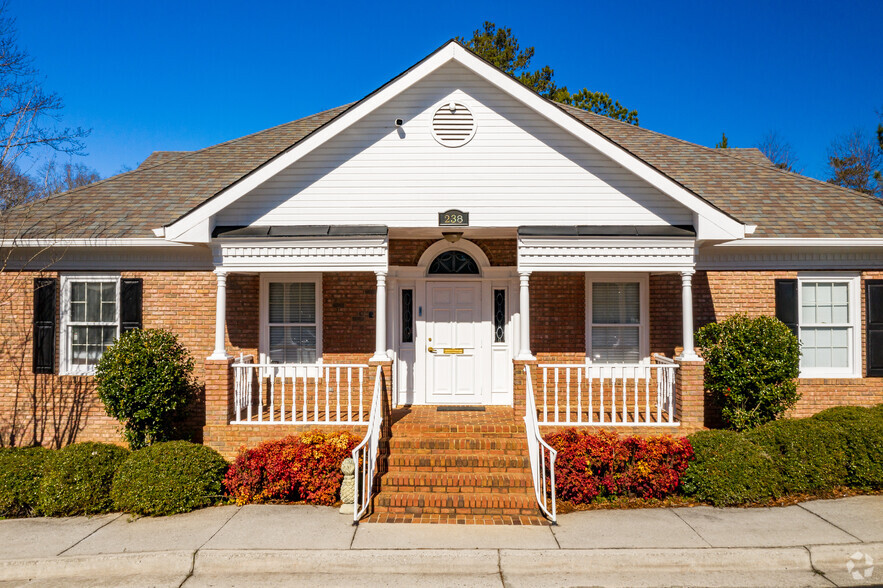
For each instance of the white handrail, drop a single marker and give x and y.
(608, 394)
(368, 449)
(538, 448)
(297, 393)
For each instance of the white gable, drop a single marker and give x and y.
(519, 168)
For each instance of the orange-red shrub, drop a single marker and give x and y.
(305, 467)
(590, 465)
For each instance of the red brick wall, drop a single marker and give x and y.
(348, 306)
(558, 316)
(52, 409)
(717, 295)
(407, 252)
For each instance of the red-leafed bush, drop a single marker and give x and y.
(297, 468)
(602, 464)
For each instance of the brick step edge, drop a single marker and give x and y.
(458, 479)
(460, 500)
(467, 444)
(450, 462)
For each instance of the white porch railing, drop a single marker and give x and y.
(366, 452)
(634, 395)
(299, 394)
(539, 450)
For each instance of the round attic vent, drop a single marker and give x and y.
(453, 125)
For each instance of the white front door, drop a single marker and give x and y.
(453, 343)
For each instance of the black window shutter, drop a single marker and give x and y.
(130, 304)
(45, 290)
(874, 302)
(786, 303)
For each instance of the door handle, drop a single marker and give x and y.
(431, 349)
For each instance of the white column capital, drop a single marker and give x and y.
(221, 273)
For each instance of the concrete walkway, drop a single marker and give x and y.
(820, 543)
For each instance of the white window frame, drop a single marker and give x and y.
(266, 279)
(65, 355)
(643, 281)
(853, 282)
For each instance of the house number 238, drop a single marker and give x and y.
(453, 218)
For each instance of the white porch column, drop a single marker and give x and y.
(380, 319)
(689, 352)
(524, 306)
(220, 316)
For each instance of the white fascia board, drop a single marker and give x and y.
(731, 226)
(98, 242)
(773, 242)
(319, 137)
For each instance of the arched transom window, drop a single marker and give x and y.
(453, 263)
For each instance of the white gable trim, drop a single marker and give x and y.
(711, 223)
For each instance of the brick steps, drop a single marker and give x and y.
(457, 463)
(456, 468)
(452, 503)
(458, 444)
(454, 482)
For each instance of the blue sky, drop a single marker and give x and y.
(181, 75)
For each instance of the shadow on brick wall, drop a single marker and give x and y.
(48, 410)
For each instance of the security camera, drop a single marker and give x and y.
(399, 122)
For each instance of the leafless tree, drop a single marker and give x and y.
(58, 178)
(854, 161)
(779, 151)
(37, 408)
(29, 116)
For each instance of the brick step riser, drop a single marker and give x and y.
(399, 445)
(483, 500)
(429, 430)
(405, 461)
(431, 486)
(468, 511)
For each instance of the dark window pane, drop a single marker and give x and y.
(407, 316)
(453, 262)
(499, 316)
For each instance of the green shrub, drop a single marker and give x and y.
(145, 380)
(20, 472)
(844, 414)
(863, 430)
(728, 469)
(810, 454)
(168, 478)
(77, 479)
(751, 366)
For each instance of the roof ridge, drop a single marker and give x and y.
(184, 154)
(762, 166)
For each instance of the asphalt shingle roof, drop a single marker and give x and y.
(782, 204)
(168, 185)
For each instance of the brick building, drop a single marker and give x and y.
(468, 239)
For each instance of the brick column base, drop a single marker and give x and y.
(218, 391)
(519, 385)
(690, 395)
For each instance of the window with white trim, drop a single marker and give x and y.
(616, 320)
(828, 325)
(292, 320)
(90, 320)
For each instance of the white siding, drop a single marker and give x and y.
(518, 169)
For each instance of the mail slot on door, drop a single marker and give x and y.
(453, 350)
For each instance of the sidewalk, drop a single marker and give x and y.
(811, 544)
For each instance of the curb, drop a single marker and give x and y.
(104, 566)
